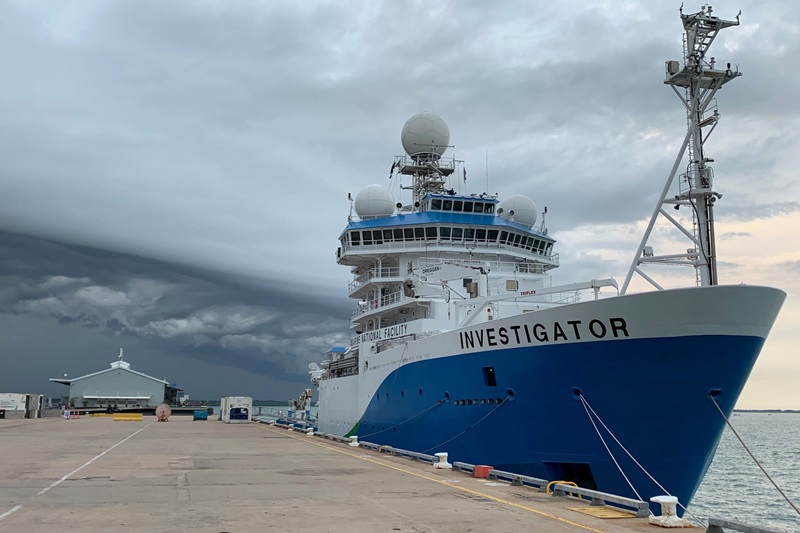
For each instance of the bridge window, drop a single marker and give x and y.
(387, 235)
(503, 237)
(480, 235)
(419, 234)
(408, 234)
(430, 233)
(468, 207)
(447, 205)
(355, 237)
(457, 234)
(444, 233)
(469, 234)
(398, 234)
(436, 204)
(367, 237)
(492, 235)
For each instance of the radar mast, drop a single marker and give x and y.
(700, 80)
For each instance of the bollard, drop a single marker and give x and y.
(442, 461)
(669, 514)
(354, 441)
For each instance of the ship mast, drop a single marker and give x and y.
(700, 80)
(429, 173)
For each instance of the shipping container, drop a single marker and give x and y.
(235, 409)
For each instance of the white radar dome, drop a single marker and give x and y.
(374, 201)
(425, 133)
(519, 209)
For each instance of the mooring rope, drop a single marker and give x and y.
(632, 458)
(774, 484)
(432, 407)
(597, 430)
(624, 449)
(484, 417)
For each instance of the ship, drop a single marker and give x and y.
(460, 341)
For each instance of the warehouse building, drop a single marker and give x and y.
(119, 386)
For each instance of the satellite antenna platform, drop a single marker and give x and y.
(696, 84)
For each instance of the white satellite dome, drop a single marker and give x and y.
(374, 201)
(520, 209)
(425, 133)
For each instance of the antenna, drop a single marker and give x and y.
(700, 80)
(543, 227)
(119, 357)
(487, 169)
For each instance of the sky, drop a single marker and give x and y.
(174, 175)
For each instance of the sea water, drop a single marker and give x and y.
(736, 489)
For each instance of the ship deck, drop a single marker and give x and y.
(95, 474)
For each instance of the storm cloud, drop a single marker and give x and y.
(175, 175)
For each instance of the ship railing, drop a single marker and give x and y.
(374, 273)
(383, 301)
(495, 266)
(426, 244)
(716, 525)
(411, 165)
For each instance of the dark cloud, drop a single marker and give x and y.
(265, 328)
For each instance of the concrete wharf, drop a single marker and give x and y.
(98, 475)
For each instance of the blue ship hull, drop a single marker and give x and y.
(653, 394)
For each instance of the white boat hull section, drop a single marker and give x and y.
(717, 310)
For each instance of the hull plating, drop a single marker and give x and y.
(493, 394)
(659, 411)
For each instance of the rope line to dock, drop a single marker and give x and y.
(741, 441)
(632, 458)
(484, 417)
(431, 408)
(440, 481)
(597, 430)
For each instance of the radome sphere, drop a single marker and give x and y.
(520, 209)
(425, 133)
(374, 201)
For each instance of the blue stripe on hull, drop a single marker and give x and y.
(652, 393)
